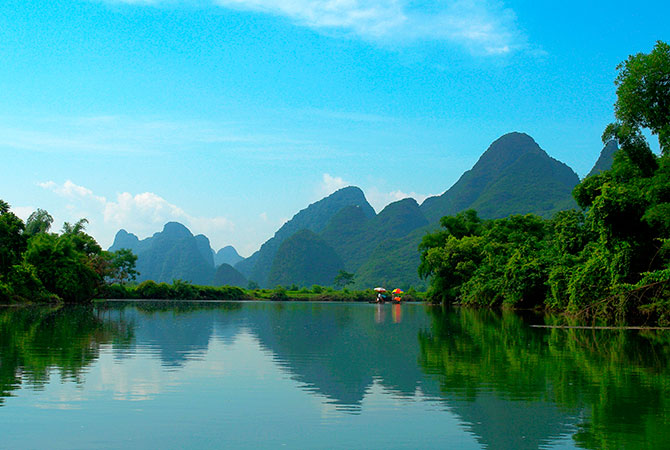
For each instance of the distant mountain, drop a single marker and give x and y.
(227, 255)
(342, 232)
(355, 239)
(227, 275)
(173, 253)
(514, 176)
(394, 263)
(205, 248)
(304, 259)
(605, 159)
(314, 218)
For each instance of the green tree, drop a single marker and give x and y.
(39, 222)
(643, 93)
(12, 239)
(70, 265)
(122, 266)
(344, 279)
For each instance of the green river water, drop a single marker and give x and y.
(324, 375)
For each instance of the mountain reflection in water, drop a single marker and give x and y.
(508, 385)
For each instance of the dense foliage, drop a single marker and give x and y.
(177, 290)
(611, 259)
(39, 266)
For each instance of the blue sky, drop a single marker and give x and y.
(231, 115)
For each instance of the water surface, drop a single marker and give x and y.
(324, 375)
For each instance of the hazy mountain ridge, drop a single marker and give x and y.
(605, 159)
(175, 253)
(227, 255)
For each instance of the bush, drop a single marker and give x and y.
(25, 285)
(115, 291)
(279, 293)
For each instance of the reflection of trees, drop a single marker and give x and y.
(36, 341)
(176, 330)
(172, 306)
(619, 380)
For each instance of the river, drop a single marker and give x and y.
(324, 375)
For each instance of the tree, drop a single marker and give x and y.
(39, 222)
(71, 265)
(643, 93)
(122, 266)
(343, 279)
(12, 239)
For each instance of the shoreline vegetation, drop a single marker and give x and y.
(611, 260)
(179, 290)
(608, 261)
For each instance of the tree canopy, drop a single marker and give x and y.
(643, 93)
(38, 266)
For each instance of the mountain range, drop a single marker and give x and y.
(176, 254)
(343, 232)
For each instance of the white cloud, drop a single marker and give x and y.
(377, 198)
(380, 199)
(482, 26)
(330, 184)
(23, 211)
(141, 214)
(71, 190)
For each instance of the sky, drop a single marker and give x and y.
(230, 116)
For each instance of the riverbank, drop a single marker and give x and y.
(180, 290)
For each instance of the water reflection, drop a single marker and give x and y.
(338, 352)
(36, 341)
(176, 332)
(609, 388)
(507, 384)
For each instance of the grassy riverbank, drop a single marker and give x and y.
(180, 290)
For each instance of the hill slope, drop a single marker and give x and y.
(227, 275)
(304, 259)
(356, 240)
(513, 176)
(314, 218)
(605, 159)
